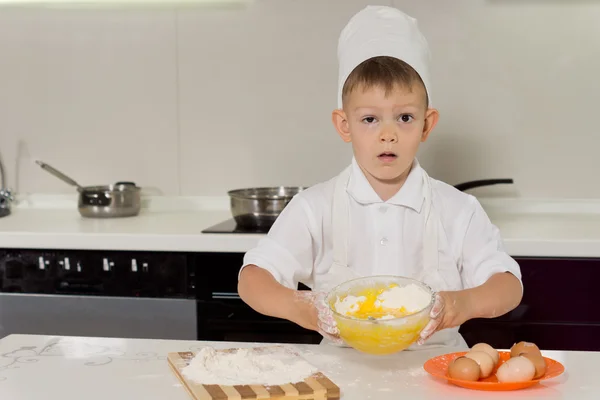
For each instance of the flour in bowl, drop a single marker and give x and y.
(274, 366)
(411, 297)
(387, 304)
(349, 304)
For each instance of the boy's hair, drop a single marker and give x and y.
(386, 72)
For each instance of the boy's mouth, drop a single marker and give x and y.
(387, 156)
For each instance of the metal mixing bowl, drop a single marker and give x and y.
(259, 207)
(382, 336)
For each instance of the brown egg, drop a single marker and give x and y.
(484, 360)
(488, 349)
(465, 369)
(524, 347)
(538, 362)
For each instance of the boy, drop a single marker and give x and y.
(383, 215)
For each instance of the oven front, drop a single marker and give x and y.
(223, 315)
(230, 319)
(97, 293)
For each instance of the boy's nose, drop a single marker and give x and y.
(388, 135)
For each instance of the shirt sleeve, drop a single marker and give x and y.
(287, 250)
(483, 252)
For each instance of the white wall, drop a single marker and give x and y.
(197, 102)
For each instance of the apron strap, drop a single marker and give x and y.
(431, 269)
(430, 232)
(341, 219)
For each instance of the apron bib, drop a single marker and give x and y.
(439, 279)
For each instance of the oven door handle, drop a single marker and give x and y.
(226, 296)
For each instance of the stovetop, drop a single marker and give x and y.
(230, 226)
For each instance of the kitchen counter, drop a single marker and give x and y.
(164, 224)
(73, 368)
(538, 228)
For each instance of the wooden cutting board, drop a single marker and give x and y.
(315, 387)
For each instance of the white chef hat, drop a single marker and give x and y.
(382, 31)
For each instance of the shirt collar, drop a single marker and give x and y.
(410, 194)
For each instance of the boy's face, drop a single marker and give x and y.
(385, 131)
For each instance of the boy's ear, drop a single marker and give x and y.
(340, 121)
(431, 119)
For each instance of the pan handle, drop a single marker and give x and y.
(483, 182)
(58, 174)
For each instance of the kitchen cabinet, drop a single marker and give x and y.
(559, 310)
(223, 316)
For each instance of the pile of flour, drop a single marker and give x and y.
(247, 367)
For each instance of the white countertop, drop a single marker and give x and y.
(530, 227)
(164, 224)
(75, 368)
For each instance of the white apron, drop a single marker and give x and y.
(439, 276)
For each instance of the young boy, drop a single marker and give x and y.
(383, 215)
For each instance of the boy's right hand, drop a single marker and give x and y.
(319, 310)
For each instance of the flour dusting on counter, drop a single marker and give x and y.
(247, 367)
(419, 371)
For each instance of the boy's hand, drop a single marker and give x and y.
(449, 310)
(500, 294)
(321, 316)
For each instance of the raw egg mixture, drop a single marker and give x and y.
(388, 302)
(525, 363)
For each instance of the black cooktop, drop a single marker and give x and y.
(230, 226)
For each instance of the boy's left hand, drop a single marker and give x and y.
(450, 309)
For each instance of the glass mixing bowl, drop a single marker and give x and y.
(379, 336)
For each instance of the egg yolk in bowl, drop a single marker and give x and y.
(368, 305)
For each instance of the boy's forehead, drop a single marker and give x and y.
(413, 94)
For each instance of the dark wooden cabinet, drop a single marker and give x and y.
(223, 316)
(560, 309)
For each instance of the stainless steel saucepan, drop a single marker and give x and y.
(258, 208)
(122, 199)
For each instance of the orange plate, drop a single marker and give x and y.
(438, 367)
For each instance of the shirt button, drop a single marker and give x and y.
(383, 209)
(383, 241)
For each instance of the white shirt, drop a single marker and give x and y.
(386, 238)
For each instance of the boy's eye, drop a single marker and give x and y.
(369, 120)
(406, 117)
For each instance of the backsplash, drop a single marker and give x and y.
(200, 101)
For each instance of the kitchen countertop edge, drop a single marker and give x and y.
(529, 227)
